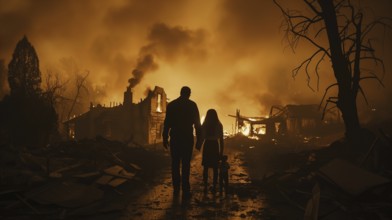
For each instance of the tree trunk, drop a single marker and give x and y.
(348, 106)
(346, 96)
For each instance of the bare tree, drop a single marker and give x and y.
(54, 91)
(54, 88)
(348, 47)
(80, 85)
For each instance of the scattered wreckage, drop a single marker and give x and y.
(74, 178)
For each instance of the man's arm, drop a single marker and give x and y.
(197, 125)
(222, 144)
(166, 127)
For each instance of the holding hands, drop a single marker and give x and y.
(166, 144)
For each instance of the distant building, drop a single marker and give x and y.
(141, 123)
(288, 120)
(299, 119)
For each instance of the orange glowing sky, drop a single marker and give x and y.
(230, 52)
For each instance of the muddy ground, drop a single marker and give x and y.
(268, 180)
(251, 161)
(244, 200)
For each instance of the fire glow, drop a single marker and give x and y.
(245, 130)
(159, 103)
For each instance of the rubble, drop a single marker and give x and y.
(290, 179)
(345, 180)
(312, 207)
(65, 194)
(349, 178)
(75, 177)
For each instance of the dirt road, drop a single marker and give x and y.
(244, 201)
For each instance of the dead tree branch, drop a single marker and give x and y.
(80, 84)
(54, 88)
(325, 93)
(348, 42)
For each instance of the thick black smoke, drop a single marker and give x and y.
(144, 65)
(169, 44)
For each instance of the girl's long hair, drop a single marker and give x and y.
(211, 124)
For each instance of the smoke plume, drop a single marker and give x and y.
(145, 64)
(169, 44)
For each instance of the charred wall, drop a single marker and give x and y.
(140, 123)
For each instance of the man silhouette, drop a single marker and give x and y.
(182, 115)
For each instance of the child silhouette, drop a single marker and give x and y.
(224, 174)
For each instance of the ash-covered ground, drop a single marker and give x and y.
(307, 177)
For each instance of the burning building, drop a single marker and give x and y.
(127, 122)
(286, 120)
(296, 119)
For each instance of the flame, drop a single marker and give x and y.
(245, 130)
(259, 129)
(71, 132)
(159, 103)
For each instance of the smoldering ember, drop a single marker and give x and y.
(117, 109)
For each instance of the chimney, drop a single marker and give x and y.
(128, 96)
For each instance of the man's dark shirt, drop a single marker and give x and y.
(181, 115)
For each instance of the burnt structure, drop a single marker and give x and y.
(296, 119)
(288, 120)
(141, 123)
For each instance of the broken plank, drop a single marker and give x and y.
(68, 168)
(129, 176)
(312, 207)
(134, 166)
(103, 180)
(85, 175)
(351, 179)
(118, 171)
(116, 182)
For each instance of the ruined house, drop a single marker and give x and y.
(297, 119)
(286, 120)
(141, 123)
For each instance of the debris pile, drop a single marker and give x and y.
(346, 180)
(74, 178)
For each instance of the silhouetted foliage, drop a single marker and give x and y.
(28, 117)
(24, 76)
